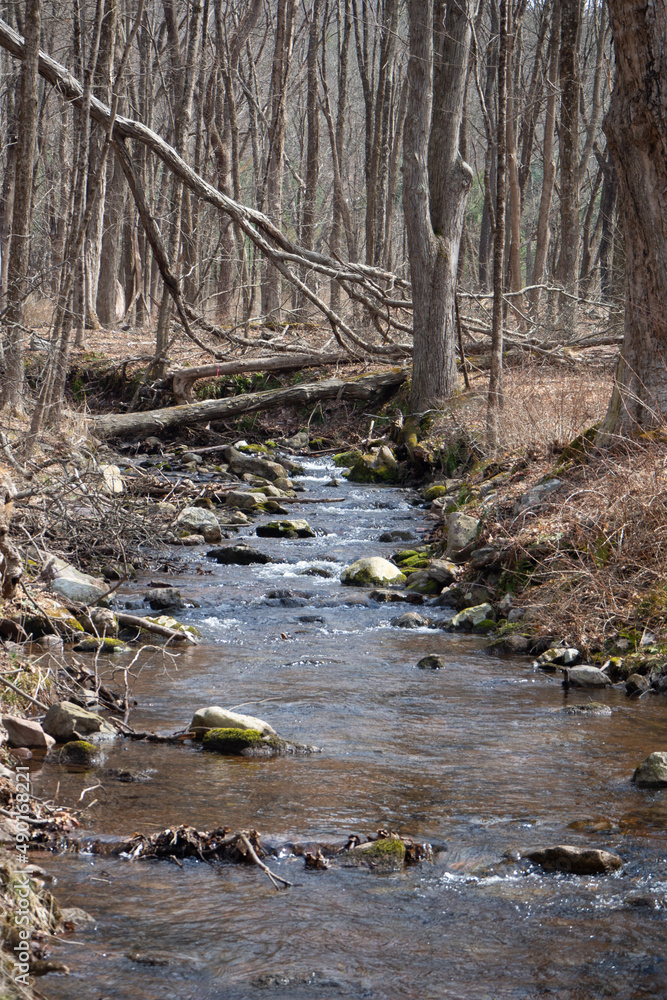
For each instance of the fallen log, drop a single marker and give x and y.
(365, 389)
(135, 621)
(182, 380)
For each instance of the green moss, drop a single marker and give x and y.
(403, 554)
(383, 855)
(347, 458)
(79, 752)
(433, 492)
(425, 586)
(390, 847)
(231, 741)
(578, 450)
(415, 562)
(91, 644)
(251, 448)
(486, 626)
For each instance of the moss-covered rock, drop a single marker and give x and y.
(346, 459)
(417, 561)
(485, 627)
(421, 583)
(231, 741)
(289, 528)
(79, 752)
(386, 855)
(435, 491)
(403, 555)
(91, 644)
(251, 743)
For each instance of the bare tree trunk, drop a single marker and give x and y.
(496, 396)
(114, 214)
(569, 161)
(309, 218)
(8, 186)
(490, 156)
(637, 138)
(11, 391)
(512, 94)
(607, 206)
(436, 182)
(274, 167)
(336, 138)
(549, 164)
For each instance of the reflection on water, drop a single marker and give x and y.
(477, 758)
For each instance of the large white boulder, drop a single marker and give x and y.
(372, 572)
(215, 717)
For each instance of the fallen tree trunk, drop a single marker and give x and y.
(181, 381)
(364, 389)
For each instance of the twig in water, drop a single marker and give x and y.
(260, 864)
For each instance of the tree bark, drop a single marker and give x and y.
(114, 212)
(153, 421)
(183, 379)
(496, 399)
(569, 161)
(274, 167)
(549, 164)
(436, 182)
(11, 392)
(636, 129)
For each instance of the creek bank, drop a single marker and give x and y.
(494, 527)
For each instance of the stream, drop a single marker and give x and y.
(477, 758)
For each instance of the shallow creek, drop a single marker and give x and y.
(478, 757)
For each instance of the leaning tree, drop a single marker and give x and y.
(636, 129)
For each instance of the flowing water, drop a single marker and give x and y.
(477, 758)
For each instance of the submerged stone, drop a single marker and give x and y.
(591, 708)
(387, 854)
(410, 620)
(79, 752)
(237, 555)
(288, 528)
(577, 860)
(432, 662)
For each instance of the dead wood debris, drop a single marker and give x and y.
(244, 847)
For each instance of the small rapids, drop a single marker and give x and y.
(477, 758)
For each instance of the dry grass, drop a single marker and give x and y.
(545, 408)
